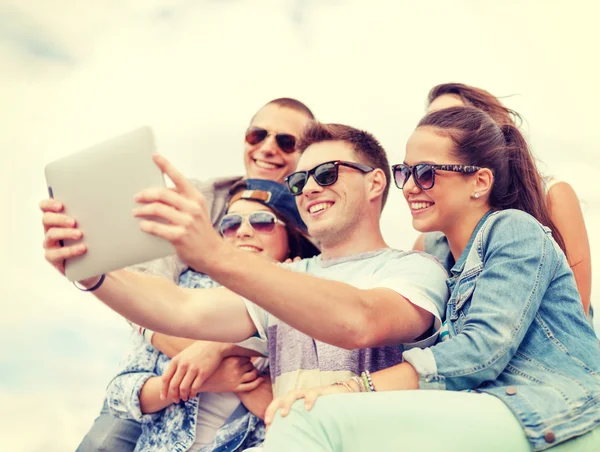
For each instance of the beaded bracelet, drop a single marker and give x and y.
(367, 378)
(94, 287)
(363, 377)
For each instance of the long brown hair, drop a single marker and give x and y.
(478, 98)
(479, 140)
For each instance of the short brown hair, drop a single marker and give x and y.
(292, 104)
(366, 147)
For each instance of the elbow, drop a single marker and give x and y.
(361, 331)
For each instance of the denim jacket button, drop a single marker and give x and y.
(549, 436)
(511, 390)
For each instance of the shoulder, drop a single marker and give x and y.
(561, 193)
(512, 228)
(510, 219)
(413, 262)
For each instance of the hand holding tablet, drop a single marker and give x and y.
(91, 211)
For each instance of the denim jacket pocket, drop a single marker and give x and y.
(459, 302)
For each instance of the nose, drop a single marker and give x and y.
(269, 145)
(245, 230)
(410, 187)
(311, 187)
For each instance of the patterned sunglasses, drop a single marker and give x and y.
(424, 173)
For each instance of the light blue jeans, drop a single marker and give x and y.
(424, 421)
(111, 434)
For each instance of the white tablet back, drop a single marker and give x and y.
(97, 186)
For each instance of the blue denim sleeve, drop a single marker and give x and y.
(519, 261)
(123, 392)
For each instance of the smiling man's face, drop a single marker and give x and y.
(266, 160)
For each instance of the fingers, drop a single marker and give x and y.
(250, 375)
(309, 399)
(56, 256)
(165, 231)
(54, 235)
(57, 220)
(176, 382)
(166, 378)
(50, 205)
(178, 179)
(168, 197)
(186, 383)
(159, 210)
(283, 404)
(250, 386)
(196, 385)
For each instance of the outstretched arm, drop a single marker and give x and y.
(330, 311)
(207, 314)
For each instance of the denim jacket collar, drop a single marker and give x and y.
(460, 263)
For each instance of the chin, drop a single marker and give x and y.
(423, 226)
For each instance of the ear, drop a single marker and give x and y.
(376, 183)
(482, 183)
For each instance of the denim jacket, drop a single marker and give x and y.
(517, 330)
(174, 428)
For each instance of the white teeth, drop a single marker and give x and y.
(420, 205)
(319, 207)
(265, 165)
(249, 248)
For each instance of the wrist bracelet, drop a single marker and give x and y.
(94, 287)
(344, 384)
(147, 333)
(359, 383)
(367, 376)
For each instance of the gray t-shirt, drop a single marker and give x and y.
(298, 361)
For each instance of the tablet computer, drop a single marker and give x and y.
(96, 186)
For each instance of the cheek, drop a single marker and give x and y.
(291, 161)
(276, 245)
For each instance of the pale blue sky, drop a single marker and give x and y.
(74, 73)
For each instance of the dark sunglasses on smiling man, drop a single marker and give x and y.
(424, 173)
(324, 174)
(285, 141)
(263, 222)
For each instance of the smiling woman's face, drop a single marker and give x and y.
(272, 245)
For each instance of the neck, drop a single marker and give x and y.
(359, 240)
(461, 231)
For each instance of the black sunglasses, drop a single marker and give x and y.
(324, 174)
(263, 222)
(285, 141)
(424, 173)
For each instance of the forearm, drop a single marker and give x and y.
(258, 400)
(146, 300)
(397, 378)
(150, 401)
(329, 311)
(160, 305)
(171, 345)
